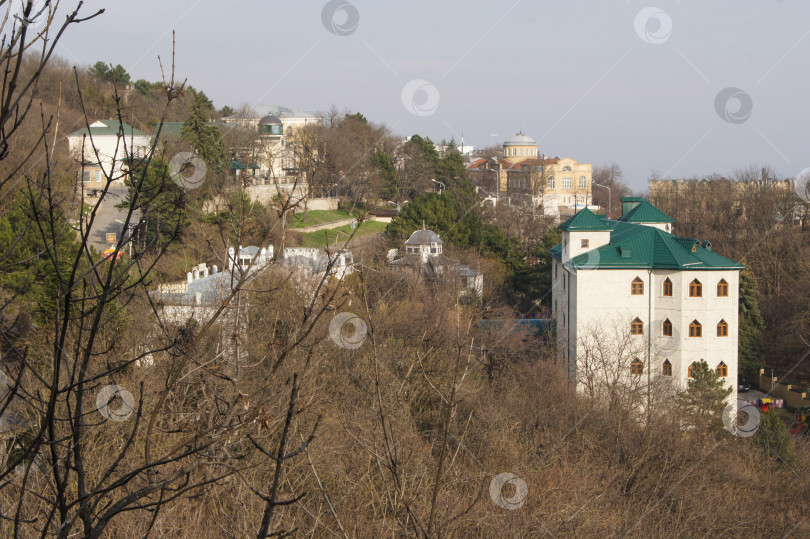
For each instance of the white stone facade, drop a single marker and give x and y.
(598, 299)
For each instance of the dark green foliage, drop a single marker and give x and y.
(144, 87)
(117, 74)
(226, 111)
(533, 278)
(27, 268)
(388, 174)
(161, 202)
(751, 325)
(701, 405)
(358, 117)
(451, 169)
(773, 438)
(202, 135)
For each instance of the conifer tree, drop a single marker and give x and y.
(751, 324)
(702, 404)
(202, 135)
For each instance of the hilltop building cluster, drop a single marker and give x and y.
(521, 175)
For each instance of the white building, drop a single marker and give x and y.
(673, 299)
(278, 161)
(424, 257)
(105, 149)
(206, 288)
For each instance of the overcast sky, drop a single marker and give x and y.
(627, 81)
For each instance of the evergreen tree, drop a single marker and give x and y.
(702, 404)
(160, 201)
(117, 74)
(451, 169)
(750, 352)
(202, 135)
(381, 161)
(774, 440)
(26, 269)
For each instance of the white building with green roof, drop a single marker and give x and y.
(635, 305)
(104, 149)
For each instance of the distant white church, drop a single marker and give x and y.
(667, 301)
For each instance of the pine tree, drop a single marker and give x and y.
(202, 135)
(751, 324)
(702, 404)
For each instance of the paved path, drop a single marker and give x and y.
(109, 218)
(324, 226)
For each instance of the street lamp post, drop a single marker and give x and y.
(610, 198)
(440, 183)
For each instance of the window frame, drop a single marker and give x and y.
(690, 373)
(722, 288)
(666, 328)
(695, 330)
(637, 326)
(636, 367)
(695, 289)
(667, 288)
(721, 370)
(722, 328)
(584, 243)
(666, 368)
(637, 287)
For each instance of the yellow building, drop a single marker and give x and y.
(524, 176)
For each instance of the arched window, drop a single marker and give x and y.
(695, 329)
(636, 367)
(637, 287)
(695, 289)
(722, 289)
(666, 368)
(667, 287)
(722, 370)
(691, 370)
(722, 328)
(667, 327)
(637, 327)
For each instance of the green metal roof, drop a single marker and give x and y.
(109, 127)
(645, 212)
(638, 246)
(170, 130)
(584, 220)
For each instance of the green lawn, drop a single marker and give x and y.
(318, 217)
(341, 234)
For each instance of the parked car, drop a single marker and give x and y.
(743, 385)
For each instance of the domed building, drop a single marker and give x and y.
(523, 176)
(519, 147)
(271, 125)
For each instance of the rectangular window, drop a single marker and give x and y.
(552, 183)
(585, 244)
(582, 183)
(567, 183)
